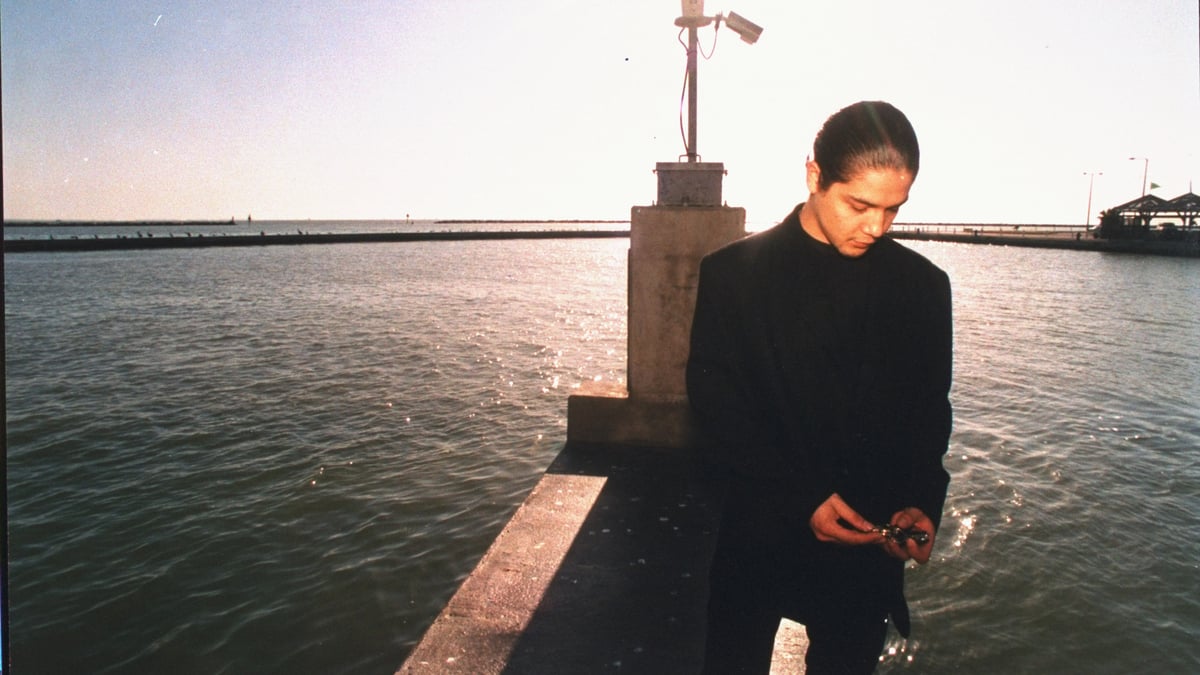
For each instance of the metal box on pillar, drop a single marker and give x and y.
(689, 183)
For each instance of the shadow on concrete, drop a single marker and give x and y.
(630, 593)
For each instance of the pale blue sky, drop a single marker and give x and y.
(127, 109)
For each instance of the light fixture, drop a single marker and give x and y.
(746, 29)
(693, 18)
(696, 183)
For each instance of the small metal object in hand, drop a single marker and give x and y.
(901, 535)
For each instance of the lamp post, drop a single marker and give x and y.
(693, 18)
(1145, 171)
(1091, 180)
(692, 21)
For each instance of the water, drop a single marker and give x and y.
(1076, 475)
(285, 459)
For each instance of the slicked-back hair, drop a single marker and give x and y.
(865, 135)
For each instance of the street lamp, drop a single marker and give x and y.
(1145, 171)
(692, 19)
(1091, 179)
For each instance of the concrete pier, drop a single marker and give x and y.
(604, 568)
(666, 244)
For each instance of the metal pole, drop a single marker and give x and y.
(691, 65)
(1145, 171)
(1088, 219)
(1091, 178)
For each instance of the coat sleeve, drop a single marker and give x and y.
(736, 409)
(933, 414)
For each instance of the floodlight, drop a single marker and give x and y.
(692, 19)
(746, 29)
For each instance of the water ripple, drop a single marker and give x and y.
(285, 459)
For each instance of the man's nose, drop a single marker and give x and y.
(876, 224)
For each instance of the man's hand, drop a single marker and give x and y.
(911, 550)
(825, 525)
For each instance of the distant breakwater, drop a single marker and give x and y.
(1190, 249)
(118, 223)
(79, 244)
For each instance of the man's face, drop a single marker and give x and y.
(850, 216)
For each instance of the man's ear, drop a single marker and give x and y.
(812, 175)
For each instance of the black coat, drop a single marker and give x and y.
(814, 374)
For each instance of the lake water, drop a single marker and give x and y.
(286, 459)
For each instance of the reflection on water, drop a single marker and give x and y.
(1074, 416)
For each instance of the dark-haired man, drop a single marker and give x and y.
(820, 365)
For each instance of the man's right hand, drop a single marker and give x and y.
(825, 525)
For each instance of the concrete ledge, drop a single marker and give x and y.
(479, 629)
(608, 415)
(603, 568)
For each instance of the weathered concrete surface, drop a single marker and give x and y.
(791, 643)
(604, 568)
(665, 247)
(666, 244)
(605, 413)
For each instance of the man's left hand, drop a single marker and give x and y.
(911, 550)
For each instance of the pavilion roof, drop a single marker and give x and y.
(1142, 204)
(1187, 202)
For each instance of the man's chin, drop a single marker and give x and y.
(853, 249)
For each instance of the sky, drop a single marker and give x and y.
(560, 109)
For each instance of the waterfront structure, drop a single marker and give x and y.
(1152, 212)
(605, 564)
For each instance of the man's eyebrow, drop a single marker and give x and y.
(870, 204)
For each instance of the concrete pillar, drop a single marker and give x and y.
(666, 244)
(665, 247)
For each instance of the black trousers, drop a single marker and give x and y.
(765, 570)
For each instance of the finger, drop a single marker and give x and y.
(843, 532)
(835, 521)
(905, 519)
(859, 538)
(895, 550)
(912, 517)
(848, 514)
(919, 553)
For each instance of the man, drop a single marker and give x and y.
(820, 366)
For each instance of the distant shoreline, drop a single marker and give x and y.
(1059, 237)
(210, 223)
(76, 244)
(118, 223)
(520, 222)
(1187, 249)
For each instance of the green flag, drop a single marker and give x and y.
(1154, 186)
